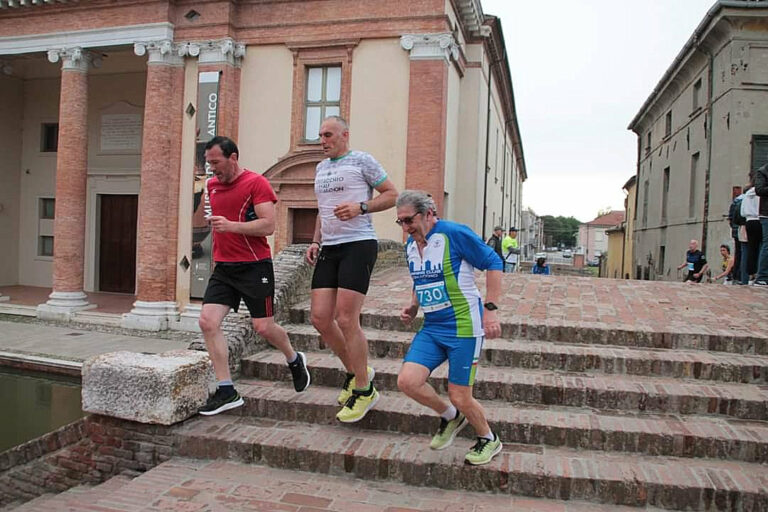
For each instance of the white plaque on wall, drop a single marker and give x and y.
(120, 133)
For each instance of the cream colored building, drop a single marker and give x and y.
(106, 106)
(704, 126)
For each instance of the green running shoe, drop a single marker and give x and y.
(483, 451)
(447, 431)
(349, 385)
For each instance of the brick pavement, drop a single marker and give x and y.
(688, 314)
(217, 486)
(596, 410)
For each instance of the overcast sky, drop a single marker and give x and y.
(581, 70)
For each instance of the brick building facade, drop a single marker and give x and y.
(106, 105)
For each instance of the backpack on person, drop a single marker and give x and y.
(734, 214)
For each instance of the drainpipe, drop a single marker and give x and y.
(487, 146)
(504, 176)
(710, 105)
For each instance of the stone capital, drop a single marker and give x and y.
(219, 51)
(163, 51)
(74, 58)
(430, 46)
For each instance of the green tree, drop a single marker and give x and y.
(560, 230)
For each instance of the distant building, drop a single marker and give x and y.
(630, 187)
(702, 129)
(592, 235)
(107, 107)
(531, 234)
(617, 263)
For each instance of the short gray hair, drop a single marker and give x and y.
(342, 122)
(418, 199)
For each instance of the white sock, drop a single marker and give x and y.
(295, 357)
(449, 413)
(490, 436)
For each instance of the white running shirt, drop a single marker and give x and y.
(349, 178)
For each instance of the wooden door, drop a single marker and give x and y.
(303, 225)
(117, 243)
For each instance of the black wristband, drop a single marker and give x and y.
(313, 242)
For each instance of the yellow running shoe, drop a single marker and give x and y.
(349, 385)
(447, 432)
(483, 451)
(357, 406)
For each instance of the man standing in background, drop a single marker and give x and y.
(510, 250)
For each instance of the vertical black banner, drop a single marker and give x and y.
(207, 117)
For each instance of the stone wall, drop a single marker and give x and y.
(293, 277)
(88, 451)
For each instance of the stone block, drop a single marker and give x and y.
(147, 388)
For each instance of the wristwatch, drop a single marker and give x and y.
(490, 306)
(364, 207)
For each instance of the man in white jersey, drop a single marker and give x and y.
(344, 250)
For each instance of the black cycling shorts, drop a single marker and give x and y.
(254, 282)
(347, 266)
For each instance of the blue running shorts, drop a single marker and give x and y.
(462, 354)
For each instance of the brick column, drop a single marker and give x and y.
(71, 178)
(157, 235)
(430, 56)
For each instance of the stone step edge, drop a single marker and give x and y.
(209, 476)
(618, 392)
(77, 493)
(747, 366)
(557, 474)
(697, 437)
(593, 334)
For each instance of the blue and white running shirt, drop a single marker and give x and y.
(444, 280)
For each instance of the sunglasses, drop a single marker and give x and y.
(407, 220)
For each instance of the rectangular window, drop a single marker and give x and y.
(45, 246)
(662, 254)
(697, 94)
(47, 207)
(665, 195)
(46, 211)
(759, 151)
(645, 203)
(648, 142)
(323, 98)
(692, 197)
(49, 137)
(668, 124)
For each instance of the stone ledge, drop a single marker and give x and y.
(147, 388)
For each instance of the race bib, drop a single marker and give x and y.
(690, 267)
(433, 296)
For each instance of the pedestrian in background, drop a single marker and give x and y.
(726, 265)
(750, 211)
(761, 189)
(511, 250)
(495, 241)
(695, 262)
(541, 267)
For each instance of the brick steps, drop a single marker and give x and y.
(670, 435)
(605, 392)
(594, 333)
(543, 472)
(544, 355)
(183, 484)
(76, 498)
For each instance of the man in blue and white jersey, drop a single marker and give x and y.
(442, 257)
